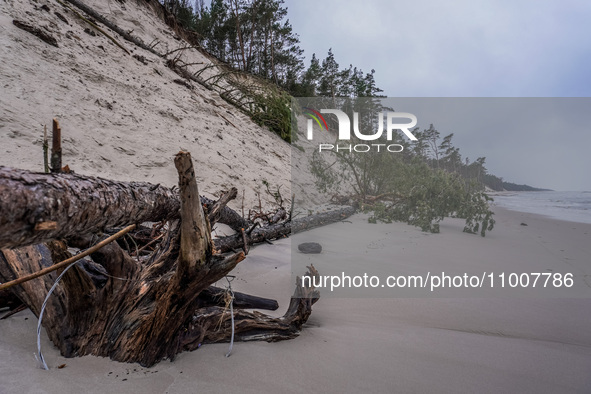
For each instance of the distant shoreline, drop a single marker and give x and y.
(568, 206)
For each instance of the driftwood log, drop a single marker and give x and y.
(113, 305)
(37, 207)
(100, 18)
(283, 229)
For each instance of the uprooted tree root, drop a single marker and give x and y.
(123, 307)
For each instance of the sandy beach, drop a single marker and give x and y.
(125, 119)
(361, 344)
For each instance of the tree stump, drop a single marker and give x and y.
(113, 305)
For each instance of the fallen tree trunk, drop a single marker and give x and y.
(321, 219)
(226, 215)
(130, 311)
(280, 230)
(92, 13)
(37, 207)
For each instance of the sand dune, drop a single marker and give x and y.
(125, 120)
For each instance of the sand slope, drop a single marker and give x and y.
(120, 118)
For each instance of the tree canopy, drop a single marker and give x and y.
(426, 182)
(256, 36)
(421, 185)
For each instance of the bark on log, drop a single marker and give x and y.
(75, 204)
(114, 306)
(226, 215)
(280, 230)
(321, 219)
(38, 207)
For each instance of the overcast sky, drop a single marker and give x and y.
(474, 48)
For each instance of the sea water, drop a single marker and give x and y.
(571, 206)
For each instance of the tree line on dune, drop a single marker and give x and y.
(255, 36)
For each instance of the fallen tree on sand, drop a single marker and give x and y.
(133, 309)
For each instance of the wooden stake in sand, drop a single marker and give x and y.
(56, 148)
(45, 151)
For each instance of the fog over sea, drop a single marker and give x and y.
(571, 206)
